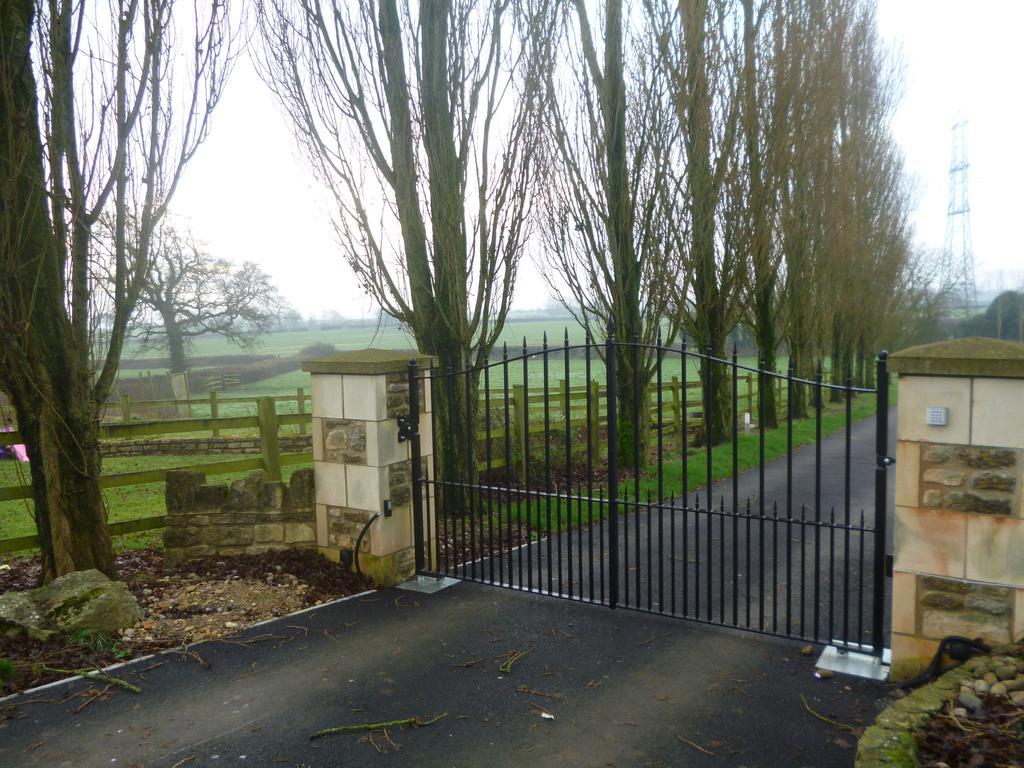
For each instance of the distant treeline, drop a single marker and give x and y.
(1004, 319)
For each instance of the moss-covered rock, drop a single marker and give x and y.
(83, 600)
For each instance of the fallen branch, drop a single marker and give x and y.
(91, 695)
(833, 723)
(90, 673)
(415, 722)
(698, 747)
(535, 692)
(514, 659)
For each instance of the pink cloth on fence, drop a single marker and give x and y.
(20, 452)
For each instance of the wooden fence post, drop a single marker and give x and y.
(126, 408)
(677, 411)
(266, 413)
(594, 427)
(301, 394)
(750, 393)
(214, 410)
(521, 423)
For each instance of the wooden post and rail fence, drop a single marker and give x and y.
(267, 423)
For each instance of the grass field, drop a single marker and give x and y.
(286, 343)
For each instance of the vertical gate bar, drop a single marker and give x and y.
(600, 507)
(881, 502)
(641, 404)
(640, 401)
(431, 531)
(790, 368)
(831, 572)
(556, 493)
(650, 579)
(721, 559)
(547, 474)
(625, 547)
(775, 564)
(458, 522)
(440, 517)
(579, 538)
(709, 420)
(417, 469)
(746, 565)
(592, 442)
(488, 457)
(789, 573)
(466, 489)
(762, 383)
(846, 506)
(661, 476)
(803, 569)
(686, 483)
(526, 475)
(696, 549)
(735, 485)
(613, 472)
(681, 436)
(506, 552)
(817, 500)
(860, 581)
(568, 455)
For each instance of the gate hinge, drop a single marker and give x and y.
(405, 427)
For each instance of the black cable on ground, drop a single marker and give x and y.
(359, 541)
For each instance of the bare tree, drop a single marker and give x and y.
(611, 203)
(189, 293)
(701, 47)
(122, 103)
(422, 119)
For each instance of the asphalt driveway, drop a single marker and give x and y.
(623, 689)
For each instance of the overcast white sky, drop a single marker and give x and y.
(249, 195)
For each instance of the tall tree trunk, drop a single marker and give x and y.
(63, 446)
(767, 343)
(633, 431)
(175, 341)
(44, 367)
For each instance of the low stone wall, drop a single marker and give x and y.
(249, 516)
(892, 740)
(187, 446)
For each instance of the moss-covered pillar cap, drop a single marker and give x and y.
(368, 362)
(973, 356)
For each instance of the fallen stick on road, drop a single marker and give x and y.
(413, 721)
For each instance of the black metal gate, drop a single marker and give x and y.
(779, 531)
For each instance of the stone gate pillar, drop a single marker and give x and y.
(361, 468)
(959, 531)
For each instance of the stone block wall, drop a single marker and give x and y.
(249, 516)
(958, 560)
(187, 446)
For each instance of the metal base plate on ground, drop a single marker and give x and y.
(857, 663)
(427, 584)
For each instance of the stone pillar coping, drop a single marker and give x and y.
(368, 362)
(975, 356)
